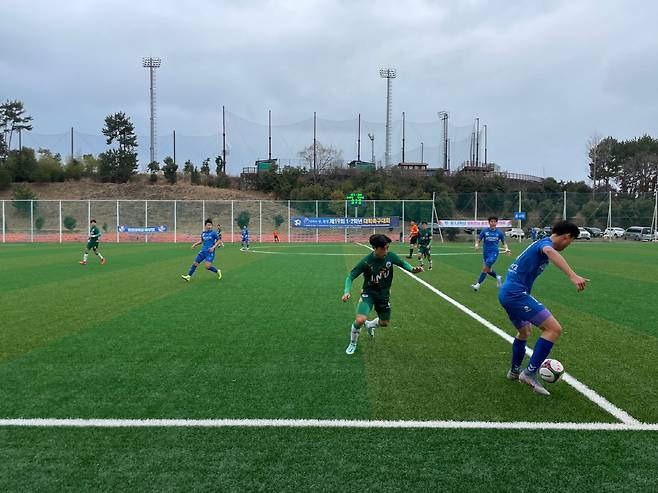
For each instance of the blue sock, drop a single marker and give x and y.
(541, 351)
(192, 269)
(212, 268)
(483, 276)
(493, 274)
(518, 353)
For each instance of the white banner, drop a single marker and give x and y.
(465, 223)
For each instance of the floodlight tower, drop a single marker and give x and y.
(152, 63)
(388, 74)
(443, 115)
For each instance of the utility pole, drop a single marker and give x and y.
(389, 74)
(152, 63)
(443, 115)
(372, 148)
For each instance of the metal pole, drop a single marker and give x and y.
(358, 147)
(422, 152)
(203, 215)
(4, 226)
(232, 221)
(403, 220)
(174, 146)
(288, 221)
(374, 215)
(60, 221)
(564, 209)
(224, 143)
(118, 239)
(317, 230)
(146, 221)
(20, 140)
(485, 145)
(345, 219)
(477, 143)
(260, 221)
(609, 209)
(476, 206)
(269, 138)
(88, 213)
(403, 132)
(71, 143)
(32, 220)
(315, 169)
(519, 208)
(175, 221)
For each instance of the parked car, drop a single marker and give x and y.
(595, 232)
(638, 233)
(613, 232)
(515, 233)
(584, 234)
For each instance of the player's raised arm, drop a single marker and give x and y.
(559, 261)
(406, 265)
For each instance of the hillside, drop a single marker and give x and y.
(139, 189)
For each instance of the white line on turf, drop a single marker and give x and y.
(319, 423)
(598, 399)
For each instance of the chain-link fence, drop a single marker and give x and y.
(182, 220)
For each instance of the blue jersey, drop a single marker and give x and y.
(209, 238)
(491, 239)
(245, 235)
(526, 268)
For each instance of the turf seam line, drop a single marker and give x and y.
(319, 423)
(592, 395)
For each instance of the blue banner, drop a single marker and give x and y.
(345, 222)
(150, 229)
(520, 216)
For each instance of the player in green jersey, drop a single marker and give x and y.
(377, 269)
(425, 244)
(92, 243)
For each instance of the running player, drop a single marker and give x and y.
(491, 236)
(425, 244)
(413, 238)
(92, 243)
(210, 240)
(377, 269)
(524, 311)
(245, 239)
(219, 234)
(276, 236)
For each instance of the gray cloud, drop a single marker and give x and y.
(544, 76)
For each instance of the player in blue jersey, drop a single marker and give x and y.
(245, 239)
(210, 241)
(490, 237)
(525, 311)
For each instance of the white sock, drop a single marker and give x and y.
(84, 257)
(99, 255)
(372, 324)
(354, 335)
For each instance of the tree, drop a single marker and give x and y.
(49, 167)
(22, 164)
(74, 169)
(195, 176)
(119, 164)
(153, 167)
(38, 223)
(243, 219)
(221, 166)
(170, 170)
(278, 221)
(325, 157)
(13, 119)
(205, 167)
(5, 179)
(22, 200)
(603, 163)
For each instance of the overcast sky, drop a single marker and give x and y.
(544, 76)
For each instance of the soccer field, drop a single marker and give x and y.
(130, 340)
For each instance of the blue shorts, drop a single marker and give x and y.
(205, 256)
(490, 258)
(522, 309)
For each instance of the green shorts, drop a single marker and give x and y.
(381, 305)
(92, 244)
(425, 249)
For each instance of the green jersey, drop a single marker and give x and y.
(377, 274)
(424, 236)
(94, 233)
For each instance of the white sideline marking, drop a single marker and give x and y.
(593, 396)
(319, 423)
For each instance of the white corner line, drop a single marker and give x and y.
(593, 396)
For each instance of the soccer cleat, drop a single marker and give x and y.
(513, 375)
(219, 274)
(103, 261)
(351, 348)
(499, 281)
(532, 382)
(475, 286)
(185, 277)
(83, 262)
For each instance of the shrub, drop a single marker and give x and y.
(70, 223)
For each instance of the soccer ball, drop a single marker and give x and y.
(551, 370)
